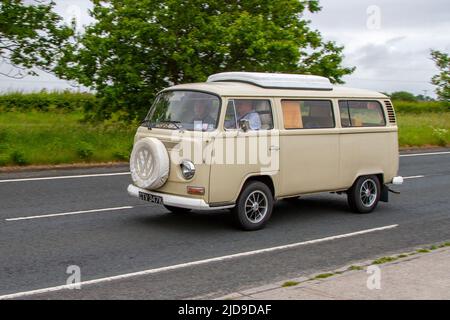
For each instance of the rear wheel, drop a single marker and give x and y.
(177, 210)
(364, 195)
(254, 206)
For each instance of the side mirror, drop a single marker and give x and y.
(244, 125)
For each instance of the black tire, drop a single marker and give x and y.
(253, 218)
(177, 210)
(359, 199)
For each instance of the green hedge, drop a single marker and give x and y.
(418, 107)
(47, 101)
(71, 101)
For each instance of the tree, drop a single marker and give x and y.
(31, 35)
(422, 97)
(403, 96)
(441, 80)
(136, 48)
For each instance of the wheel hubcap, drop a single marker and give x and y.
(256, 206)
(368, 192)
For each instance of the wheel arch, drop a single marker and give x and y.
(266, 179)
(378, 174)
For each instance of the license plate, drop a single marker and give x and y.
(150, 198)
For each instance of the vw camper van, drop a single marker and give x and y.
(241, 141)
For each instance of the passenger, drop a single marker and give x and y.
(245, 111)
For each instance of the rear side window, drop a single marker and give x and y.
(307, 114)
(357, 113)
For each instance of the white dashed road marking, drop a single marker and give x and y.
(425, 154)
(413, 177)
(68, 213)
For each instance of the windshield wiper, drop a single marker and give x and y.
(147, 123)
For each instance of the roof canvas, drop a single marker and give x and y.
(274, 80)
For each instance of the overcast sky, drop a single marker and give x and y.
(388, 41)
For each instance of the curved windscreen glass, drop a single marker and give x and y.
(187, 110)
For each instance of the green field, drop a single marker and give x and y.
(56, 138)
(52, 133)
(425, 129)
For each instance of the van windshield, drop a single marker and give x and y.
(187, 110)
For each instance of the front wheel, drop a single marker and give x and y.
(254, 206)
(364, 195)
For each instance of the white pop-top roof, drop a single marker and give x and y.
(274, 80)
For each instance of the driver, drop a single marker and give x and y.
(201, 112)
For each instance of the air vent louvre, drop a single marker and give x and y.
(390, 111)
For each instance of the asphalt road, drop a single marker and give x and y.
(37, 244)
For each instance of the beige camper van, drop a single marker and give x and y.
(242, 141)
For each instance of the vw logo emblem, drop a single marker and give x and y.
(143, 163)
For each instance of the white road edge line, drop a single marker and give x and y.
(189, 264)
(424, 154)
(68, 213)
(68, 177)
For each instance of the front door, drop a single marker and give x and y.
(238, 153)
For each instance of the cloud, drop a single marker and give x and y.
(395, 56)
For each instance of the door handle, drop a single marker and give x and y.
(274, 148)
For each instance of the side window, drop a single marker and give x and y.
(230, 116)
(358, 113)
(345, 117)
(307, 114)
(257, 112)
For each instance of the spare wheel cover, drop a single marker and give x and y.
(149, 163)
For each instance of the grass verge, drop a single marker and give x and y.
(378, 261)
(290, 284)
(418, 130)
(56, 138)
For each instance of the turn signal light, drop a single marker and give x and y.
(196, 190)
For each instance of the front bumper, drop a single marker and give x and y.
(176, 201)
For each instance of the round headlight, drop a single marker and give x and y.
(187, 169)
